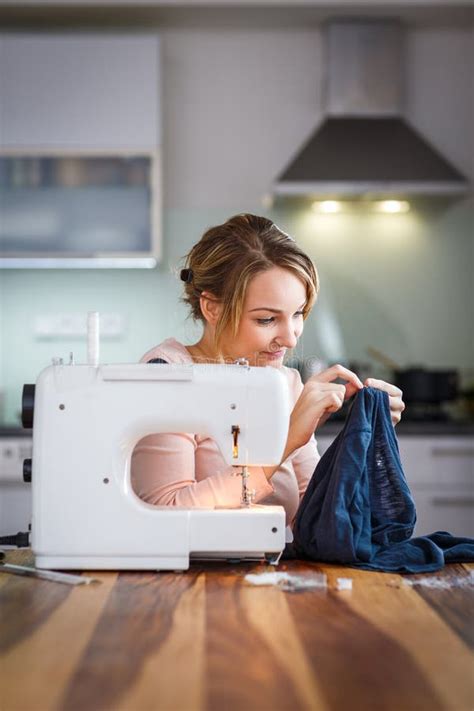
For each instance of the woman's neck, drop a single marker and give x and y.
(204, 351)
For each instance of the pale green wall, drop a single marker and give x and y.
(148, 300)
(402, 284)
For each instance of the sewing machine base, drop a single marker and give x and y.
(166, 538)
(156, 564)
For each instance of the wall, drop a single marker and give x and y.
(237, 103)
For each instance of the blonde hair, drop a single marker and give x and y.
(228, 256)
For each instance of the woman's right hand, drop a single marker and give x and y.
(319, 398)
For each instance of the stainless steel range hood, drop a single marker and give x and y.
(364, 146)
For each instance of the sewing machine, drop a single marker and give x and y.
(87, 421)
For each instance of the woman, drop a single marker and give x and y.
(252, 288)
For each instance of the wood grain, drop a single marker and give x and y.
(455, 604)
(176, 669)
(360, 664)
(136, 621)
(242, 669)
(268, 612)
(433, 662)
(35, 669)
(204, 640)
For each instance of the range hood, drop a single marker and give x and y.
(365, 147)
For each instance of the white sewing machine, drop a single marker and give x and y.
(87, 421)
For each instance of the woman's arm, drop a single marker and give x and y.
(305, 461)
(320, 396)
(313, 403)
(163, 473)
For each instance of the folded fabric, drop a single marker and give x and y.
(358, 509)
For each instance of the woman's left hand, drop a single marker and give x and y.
(394, 395)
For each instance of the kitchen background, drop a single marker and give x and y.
(240, 88)
(240, 93)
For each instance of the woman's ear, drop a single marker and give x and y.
(211, 308)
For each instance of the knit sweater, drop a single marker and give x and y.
(358, 509)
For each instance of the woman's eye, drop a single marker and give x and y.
(265, 321)
(299, 313)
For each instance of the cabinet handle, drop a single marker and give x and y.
(452, 452)
(454, 501)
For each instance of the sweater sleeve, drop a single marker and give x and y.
(304, 459)
(164, 474)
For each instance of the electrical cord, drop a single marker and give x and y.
(20, 539)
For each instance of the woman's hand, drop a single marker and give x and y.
(394, 396)
(319, 398)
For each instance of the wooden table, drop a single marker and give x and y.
(206, 640)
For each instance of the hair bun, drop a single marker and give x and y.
(186, 275)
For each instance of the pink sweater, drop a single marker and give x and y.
(188, 470)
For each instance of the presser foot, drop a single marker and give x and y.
(248, 495)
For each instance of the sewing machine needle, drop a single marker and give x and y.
(247, 494)
(48, 574)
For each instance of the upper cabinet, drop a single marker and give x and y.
(80, 158)
(79, 91)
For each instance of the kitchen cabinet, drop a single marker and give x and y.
(79, 210)
(440, 473)
(79, 91)
(80, 159)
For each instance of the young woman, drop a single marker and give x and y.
(252, 288)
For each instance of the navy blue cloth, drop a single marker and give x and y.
(358, 509)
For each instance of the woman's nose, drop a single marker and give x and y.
(287, 336)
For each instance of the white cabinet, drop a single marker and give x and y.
(79, 91)
(80, 159)
(440, 474)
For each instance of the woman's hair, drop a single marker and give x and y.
(228, 256)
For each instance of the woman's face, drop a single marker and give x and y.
(272, 319)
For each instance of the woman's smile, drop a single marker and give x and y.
(274, 355)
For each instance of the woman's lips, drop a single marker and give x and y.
(274, 355)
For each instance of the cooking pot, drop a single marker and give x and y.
(419, 384)
(427, 386)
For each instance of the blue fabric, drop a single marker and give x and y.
(358, 509)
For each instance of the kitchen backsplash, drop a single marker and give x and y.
(402, 284)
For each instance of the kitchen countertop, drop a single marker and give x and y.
(14, 431)
(204, 640)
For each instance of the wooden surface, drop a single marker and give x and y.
(206, 640)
